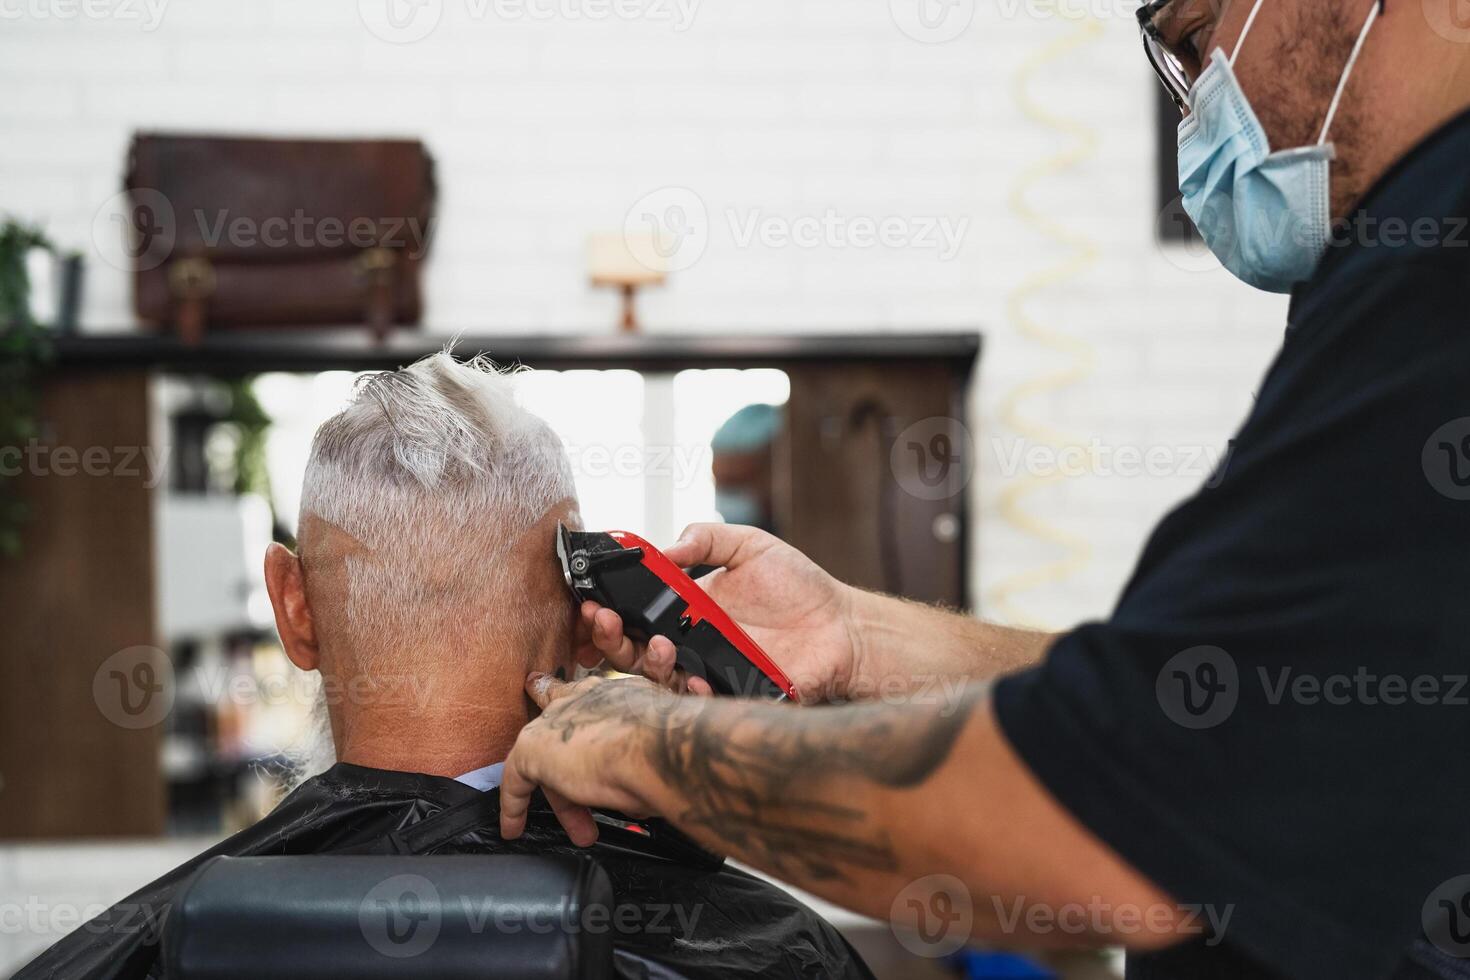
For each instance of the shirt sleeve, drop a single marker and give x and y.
(1273, 720)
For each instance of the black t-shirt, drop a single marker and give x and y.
(1275, 722)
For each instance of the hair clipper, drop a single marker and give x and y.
(655, 597)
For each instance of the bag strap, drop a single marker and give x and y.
(377, 265)
(191, 280)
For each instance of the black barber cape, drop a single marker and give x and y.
(745, 927)
(1275, 722)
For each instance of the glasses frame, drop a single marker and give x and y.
(1171, 74)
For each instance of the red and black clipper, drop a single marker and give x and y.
(654, 597)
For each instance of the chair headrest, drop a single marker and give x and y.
(401, 917)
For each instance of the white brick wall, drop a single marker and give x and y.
(546, 130)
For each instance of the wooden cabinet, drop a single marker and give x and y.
(72, 761)
(879, 467)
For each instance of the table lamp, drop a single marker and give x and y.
(626, 261)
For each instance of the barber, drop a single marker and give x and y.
(1259, 766)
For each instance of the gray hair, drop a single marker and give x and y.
(425, 482)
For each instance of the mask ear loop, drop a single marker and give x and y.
(1240, 41)
(1348, 71)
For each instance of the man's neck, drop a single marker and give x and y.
(1400, 110)
(441, 739)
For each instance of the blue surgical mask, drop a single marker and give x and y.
(1266, 215)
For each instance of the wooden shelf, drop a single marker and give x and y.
(249, 352)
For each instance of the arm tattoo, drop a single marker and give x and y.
(610, 699)
(761, 777)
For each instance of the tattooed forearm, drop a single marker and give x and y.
(612, 699)
(765, 778)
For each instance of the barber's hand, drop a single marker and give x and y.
(800, 615)
(600, 637)
(587, 749)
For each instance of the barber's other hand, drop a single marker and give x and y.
(587, 749)
(800, 615)
(600, 637)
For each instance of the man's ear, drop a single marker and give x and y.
(286, 584)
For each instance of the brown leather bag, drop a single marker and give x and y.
(232, 232)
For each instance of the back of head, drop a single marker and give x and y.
(417, 514)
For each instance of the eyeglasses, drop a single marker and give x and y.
(1167, 64)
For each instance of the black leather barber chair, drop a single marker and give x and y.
(402, 917)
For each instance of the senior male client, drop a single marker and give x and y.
(426, 567)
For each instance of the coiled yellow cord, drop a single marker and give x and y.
(1077, 551)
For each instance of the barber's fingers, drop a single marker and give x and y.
(658, 661)
(612, 642)
(544, 689)
(515, 797)
(575, 820)
(713, 544)
(516, 789)
(654, 660)
(583, 647)
(660, 665)
(600, 638)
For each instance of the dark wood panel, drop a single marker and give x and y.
(81, 591)
(862, 510)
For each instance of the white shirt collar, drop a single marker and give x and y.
(484, 779)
